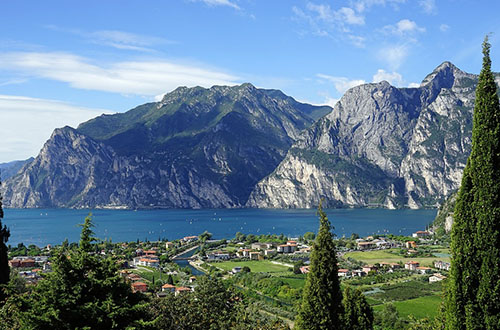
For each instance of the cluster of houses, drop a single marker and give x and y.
(177, 290)
(421, 234)
(442, 265)
(146, 258)
(183, 241)
(189, 239)
(390, 267)
(30, 268)
(369, 244)
(137, 284)
(259, 251)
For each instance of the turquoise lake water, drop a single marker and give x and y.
(52, 226)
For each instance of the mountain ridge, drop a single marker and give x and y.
(195, 148)
(416, 140)
(241, 146)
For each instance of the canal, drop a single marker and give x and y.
(184, 263)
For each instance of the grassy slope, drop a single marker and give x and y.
(373, 257)
(421, 307)
(263, 266)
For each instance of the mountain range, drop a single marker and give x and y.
(380, 146)
(196, 148)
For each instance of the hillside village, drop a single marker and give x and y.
(171, 267)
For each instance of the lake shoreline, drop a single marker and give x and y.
(53, 226)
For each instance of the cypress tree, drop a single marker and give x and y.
(358, 314)
(4, 256)
(473, 297)
(322, 299)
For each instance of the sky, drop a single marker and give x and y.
(64, 62)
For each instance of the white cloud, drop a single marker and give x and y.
(116, 39)
(363, 5)
(428, 6)
(147, 78)
(357, 41)
(28, 122)
(12, 82)
(125, 40)
(330, 101)
(342, 84)
(350, 16)
(324, 12)
(394, 55)
(444, 27)
(159, 97)
(413, 85)
(227, 3)
(325, 21)
(342, 16)
(393, 78)
(327, 100)
(403, 27)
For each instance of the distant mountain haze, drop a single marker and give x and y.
(241, 146)
(10, 169)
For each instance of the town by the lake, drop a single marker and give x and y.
(402, 272)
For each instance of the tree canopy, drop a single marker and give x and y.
(84, 291)
(473, 295)
(4, 256)
(358, 315)
(321, 299)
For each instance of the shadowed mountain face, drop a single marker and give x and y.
(197, 148)
(380, 146)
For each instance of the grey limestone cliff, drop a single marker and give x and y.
(381, 146)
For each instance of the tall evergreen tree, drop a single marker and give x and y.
(322, 299)
(473, 297)
(358, 314)
(84, 291)
(4, 256)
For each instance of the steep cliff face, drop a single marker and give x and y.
(197, 148)
(380, 146)
(66, 167)
(10, 169)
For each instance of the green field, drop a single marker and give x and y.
(421, 307)
(373, 257)
(296, 282)
(262, 266)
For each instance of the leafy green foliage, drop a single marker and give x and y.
(474, 288)
(210, 306)
(84, 291)
(322, 299)
(388, 318)
(4, 258)
(358, 315)
(407, 290)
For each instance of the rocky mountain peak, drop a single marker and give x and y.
(198, 147)
(381, 146)
(443, 76)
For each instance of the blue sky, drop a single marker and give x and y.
(63, 62)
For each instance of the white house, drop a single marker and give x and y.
(421, 234)
(436, 278)
(412, 265)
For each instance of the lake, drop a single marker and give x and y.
(52, 226)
